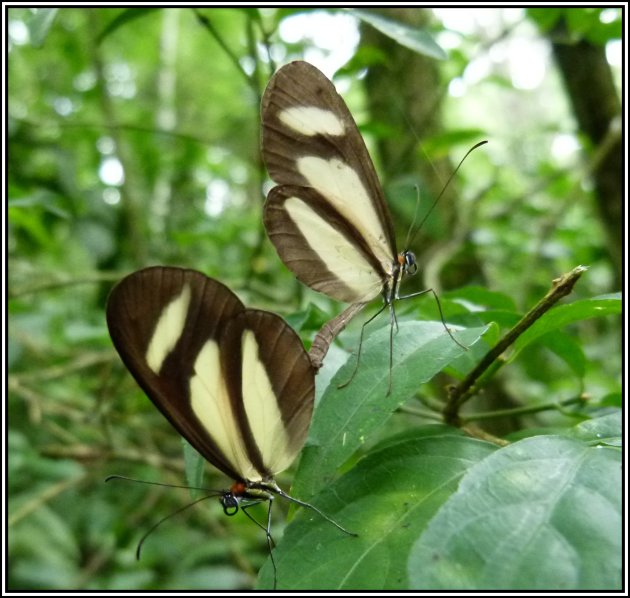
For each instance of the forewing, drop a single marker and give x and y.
(310, 141)
(165, 324)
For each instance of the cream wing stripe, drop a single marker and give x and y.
(211, 404)
(262, 409)
(340, 256)
(168, 330)
(343, 188)
(310, 121)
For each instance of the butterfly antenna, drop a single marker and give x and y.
(126, 479)
(415, 216)
(209, 494)
(161, 521)
(448, 181)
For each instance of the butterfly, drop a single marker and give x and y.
(327, 216)
(236, 383)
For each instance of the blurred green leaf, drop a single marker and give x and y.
(478, 298)
(418, 40)
(124, 17)
(39, 25)
(567, 348)
(438, 146)
(194, 464)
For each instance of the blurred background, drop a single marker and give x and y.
(133, 139)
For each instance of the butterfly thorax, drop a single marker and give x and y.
(246, 492)
(403, 266)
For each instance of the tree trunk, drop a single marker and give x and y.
(591, 90)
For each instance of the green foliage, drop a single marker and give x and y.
(541, 513)
(418, 40)
(386, 499)
(348, 416)
(448, 512)
(134, 140)
(582, 23)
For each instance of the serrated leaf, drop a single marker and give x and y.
(543, 513)
(561, 316)
(345, 417)
(387, 499)
(416, 39)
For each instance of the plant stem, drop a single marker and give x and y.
(463, 391)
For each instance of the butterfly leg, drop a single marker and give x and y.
(356, 366)
(439, 306)
(267, 529)
(314, 508)
(393, 322)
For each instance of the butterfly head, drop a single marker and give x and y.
(229, 502)
(407, 262)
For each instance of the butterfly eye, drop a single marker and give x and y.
(229, 502)
(410, 265)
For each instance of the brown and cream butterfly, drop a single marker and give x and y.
(236, 383)
(327, 217)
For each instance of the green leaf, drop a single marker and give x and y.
(605, 430)
(612, 399)
(194, 464)
(387, 499)
(480, 297)
(567, 349)
(345, 417)
(543, 513)
(545, 17)
(561, 316)
(312, 318)
(39, 25)
(418, 40)
(130, 14)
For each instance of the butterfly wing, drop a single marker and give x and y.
(327, 217)
(190, 344)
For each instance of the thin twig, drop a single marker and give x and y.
(59, 283)
(462, 392)
(424, 413)
(45, 496)
(524, 410)
(207, 24)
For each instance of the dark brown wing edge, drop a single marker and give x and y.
(133, 309)
(301, 84)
